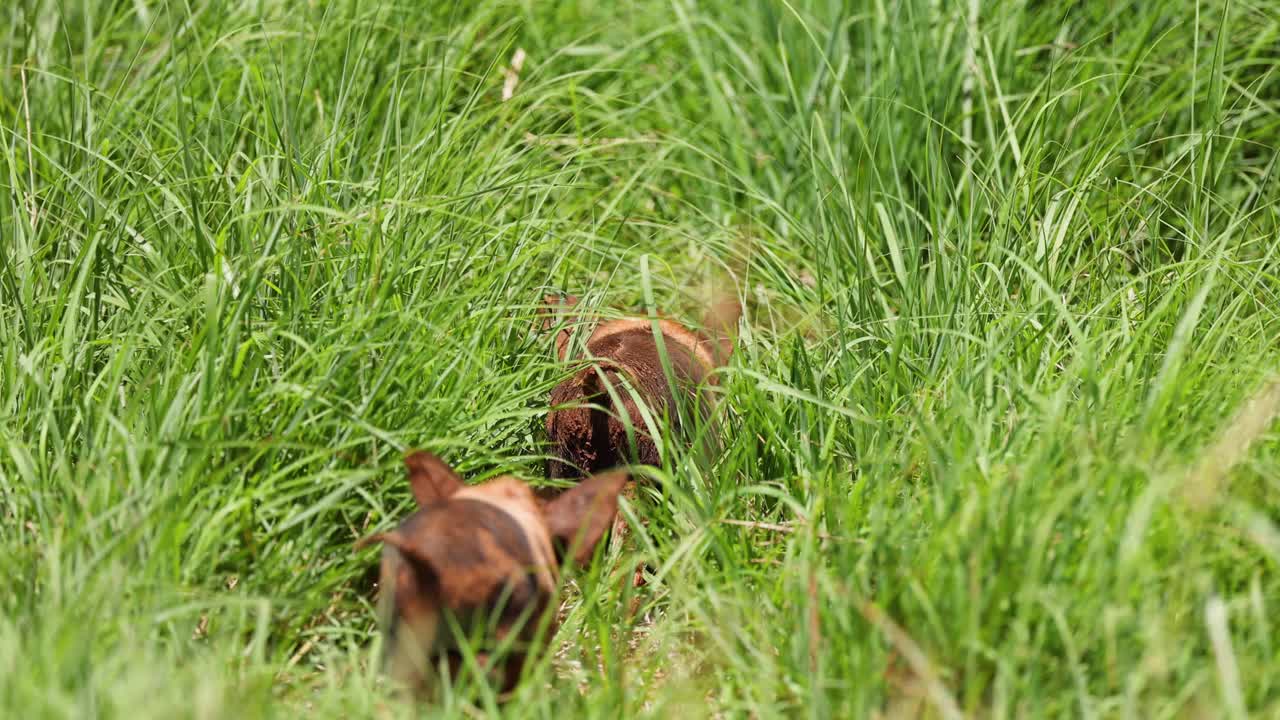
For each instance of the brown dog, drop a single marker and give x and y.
(479, 558)
(588, 426)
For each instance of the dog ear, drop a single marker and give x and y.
(555, 311)
(424, 577)
(581, 515)
(431, 479)
(720, 325)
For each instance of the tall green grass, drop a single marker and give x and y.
(1012, 276)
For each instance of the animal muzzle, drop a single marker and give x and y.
(417, 657)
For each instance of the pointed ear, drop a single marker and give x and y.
(555, 311)
(431, 479)
(395, 539)
(581, 515)
(424, 572)
(720, 325)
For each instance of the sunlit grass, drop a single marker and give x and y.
(1012, 277)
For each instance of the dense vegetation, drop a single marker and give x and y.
(998, 438)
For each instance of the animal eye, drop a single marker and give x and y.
(515, 596)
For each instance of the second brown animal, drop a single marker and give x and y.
(641, 372)
(598, 417)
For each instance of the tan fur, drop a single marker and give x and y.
(464, 551)
(689, 340)
(517, 500)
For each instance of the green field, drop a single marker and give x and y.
(998, 431)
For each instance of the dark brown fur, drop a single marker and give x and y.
(472, 554)
(597, 422)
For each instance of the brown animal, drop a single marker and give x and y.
(597, 421)
(482, 561)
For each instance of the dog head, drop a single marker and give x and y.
(477, 566)
(712, 344)
(598, 421)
